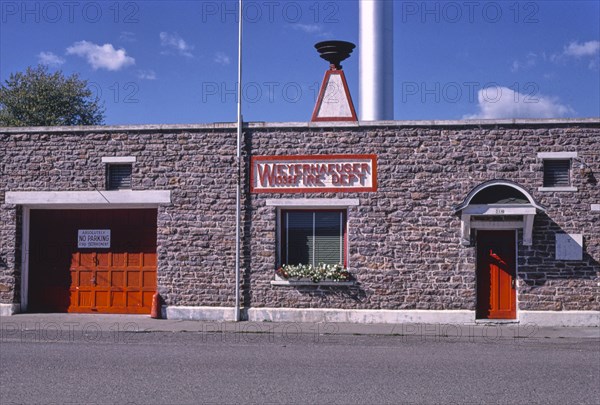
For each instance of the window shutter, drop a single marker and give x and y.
(118, 177)
(328, 235)
(299, 237)
(313, 237)
(556, 173)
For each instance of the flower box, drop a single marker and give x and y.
(306, 275)
(279, 282)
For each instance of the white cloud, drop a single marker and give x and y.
(308, 28)
(502, 102)
(146, 75)
(577, 50)
(313, 29)
(529, 62)
(175, 42)
(127, 36)
(101, 56)
(50, 59)
(222, 59)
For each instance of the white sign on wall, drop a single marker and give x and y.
(569, 246)
(93, 238)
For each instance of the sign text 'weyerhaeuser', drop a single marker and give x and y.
(316, 173)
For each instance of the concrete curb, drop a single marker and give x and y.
(49, 324)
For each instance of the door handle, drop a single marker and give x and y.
(513, 283)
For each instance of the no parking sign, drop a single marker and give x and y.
(93, 238)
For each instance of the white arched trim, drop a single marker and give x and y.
(492, 183)
(528, 212)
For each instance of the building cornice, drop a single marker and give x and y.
(477, 123)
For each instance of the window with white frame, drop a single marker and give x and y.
(118, 177)
(557, 171)
(313, 237)
(118, 172)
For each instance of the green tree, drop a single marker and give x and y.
(39, 98)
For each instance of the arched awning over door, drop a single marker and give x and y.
(498, 198)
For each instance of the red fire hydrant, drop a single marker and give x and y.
(155, 312)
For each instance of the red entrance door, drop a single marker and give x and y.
(496, 275)
(65, 277)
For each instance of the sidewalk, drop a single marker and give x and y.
(51, 324)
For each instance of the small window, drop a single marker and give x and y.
(313, 237)
(557, 173)
(118, 176)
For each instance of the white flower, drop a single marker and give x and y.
(332, 272)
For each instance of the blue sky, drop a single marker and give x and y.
(175, 62)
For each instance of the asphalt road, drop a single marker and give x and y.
(186, 368)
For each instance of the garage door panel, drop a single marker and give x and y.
(117, 298)
(133, 279)
(133, 260)
(149, 259)
(101, 298)
(85, 278)
(147, 298)
(85, 299)
(119, 259)
(73, 296)
(74, 260)
(148, 279)
(87, 259)
(116, 279)
(102, 278)
(133, 299)
(103, 259)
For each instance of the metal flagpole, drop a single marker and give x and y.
(239, 176)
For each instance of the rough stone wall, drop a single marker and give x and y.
(404, 240)
(9, 263)
(404, 246)
(195, 234)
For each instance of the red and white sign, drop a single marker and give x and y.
(313, 173)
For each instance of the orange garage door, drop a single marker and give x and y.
(100, 261)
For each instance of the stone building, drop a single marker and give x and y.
(449, 221)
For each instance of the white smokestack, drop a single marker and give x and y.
(376, 60)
